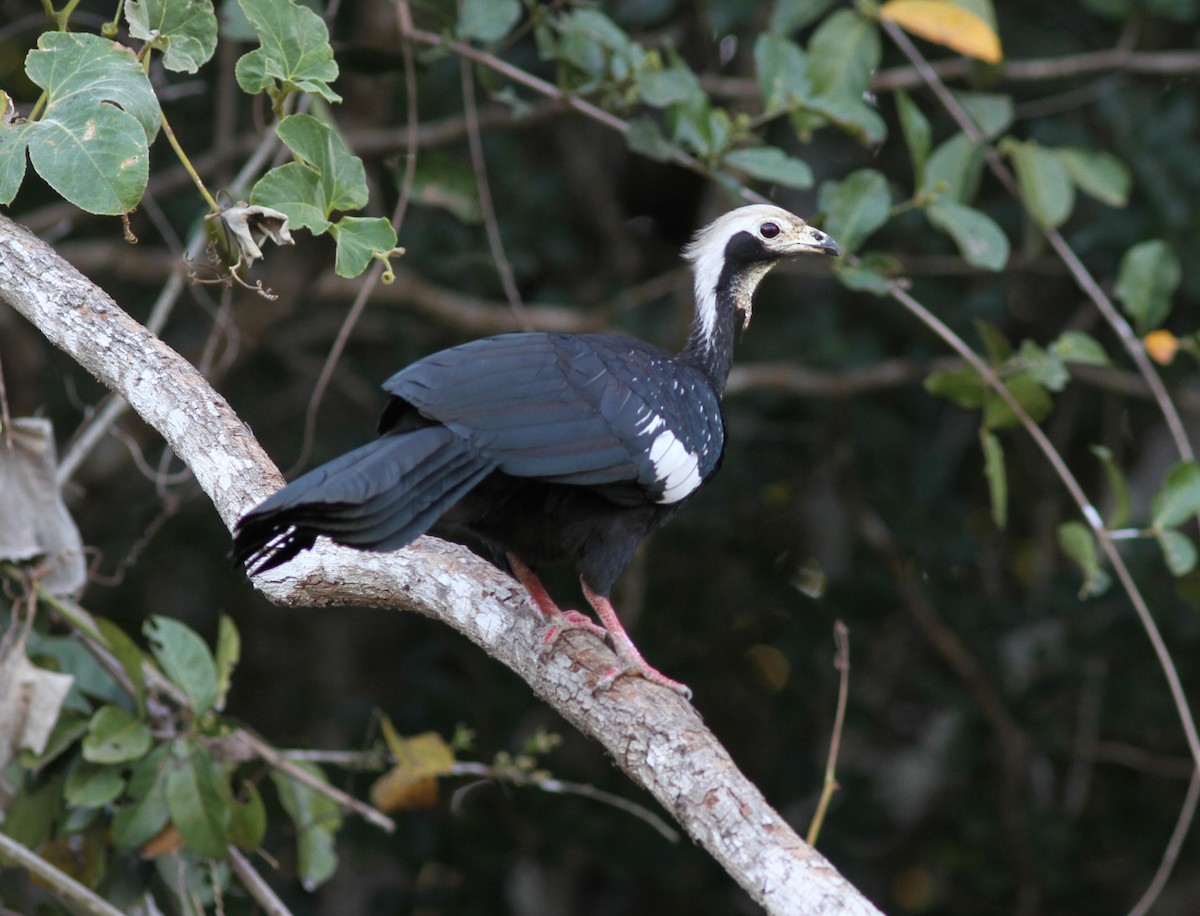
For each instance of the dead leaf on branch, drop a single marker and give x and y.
(945, 23)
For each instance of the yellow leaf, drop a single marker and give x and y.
(1162, 346)
(412, 782)
(944, 23)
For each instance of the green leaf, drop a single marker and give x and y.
(1077, 542)
(1178, 550)
(295, 190)
(992, 113)
(963, 386)
(132, 659)
(248, 820)
(487, 20)
(343, 180)
(1046, 188)
(146, 814)
(645, 139)
(91, 785)
(185, 660)
(359, 239)
(672, 86)
(294, 50)
(448, 183)
(855, 207)
(1098, 174)
(78, 69)
(229, 652)
(918, 135)
(198, 807)
(981, 242)
(993, 470)
(94, 154)
(317, 821)
(769, 163)
(1146, 282)
(1045, 367)
(953, 170)
(1179, 499)
(1078, 347)
(115, 735)
(842, 54)
(1028, 393)
(872, 274)
(185, 30)
(13, 141)
(782, 69)
(854, 116)
(1116, 485)
(997, 345)
(789, 15)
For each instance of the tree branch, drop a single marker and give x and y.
(655, 736)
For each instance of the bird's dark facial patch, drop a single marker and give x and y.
(746, 248)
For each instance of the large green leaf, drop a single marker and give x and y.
(1046, 187)
(769, 163)
(91, 785)
(487, 20)
(844, 51)
(146, 812)
(1146, 282)
(294, 50)
(782, 69)
(185, 30)
(1098, 174)
(198, 804)
(855, 207)
(185, 660)
(953, 169)
(115, 735)
(981, 242)
(317, 821)
(91, 143)
(360, 238)
(991, 112)
(1179, 498)
(343, 182)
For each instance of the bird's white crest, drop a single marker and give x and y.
(707, 250)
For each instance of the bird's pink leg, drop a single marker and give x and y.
(626, 651)
(560, 620)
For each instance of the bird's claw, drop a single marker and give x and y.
(645, 671)
(565, 621)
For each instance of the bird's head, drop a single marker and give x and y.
(736, 250)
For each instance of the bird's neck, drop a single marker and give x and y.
(723, 308)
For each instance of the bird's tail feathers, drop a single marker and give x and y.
(380, 496)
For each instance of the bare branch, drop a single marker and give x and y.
(655, 736)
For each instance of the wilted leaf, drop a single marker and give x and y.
(244, 223)
(943, 23)
(185, 660)
(30, 701)
(1161, 346)
(1146, 282)
(412, 782)
(1179, 498)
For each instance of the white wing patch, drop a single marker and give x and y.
(675, 468)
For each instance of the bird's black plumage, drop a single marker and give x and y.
(543, 447)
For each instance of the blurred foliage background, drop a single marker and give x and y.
(1008, 746)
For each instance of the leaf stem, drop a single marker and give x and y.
(213, 206)
(841, 662)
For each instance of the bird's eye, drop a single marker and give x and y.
(768, 230)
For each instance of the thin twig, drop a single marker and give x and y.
(486, 206)
(256, 886)
(1171, 853)
(62, 884)
(841, 662)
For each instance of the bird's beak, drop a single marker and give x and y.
(814, 240)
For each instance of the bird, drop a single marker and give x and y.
(537, 448)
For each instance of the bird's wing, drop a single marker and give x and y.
(593, 410)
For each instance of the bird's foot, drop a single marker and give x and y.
(640, 669)
(563, 622)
